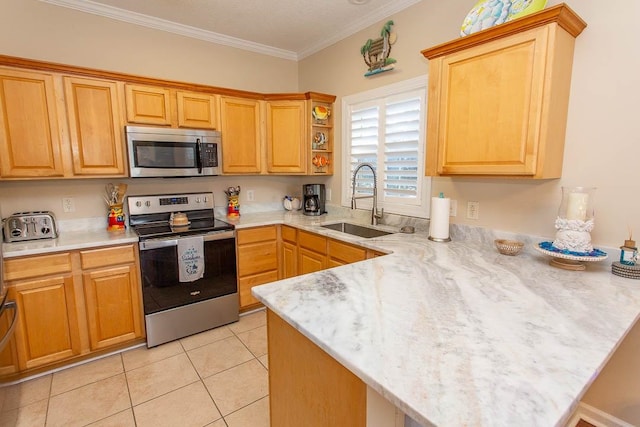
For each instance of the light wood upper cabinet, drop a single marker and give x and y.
(30, 142)
(498, 99)
(197, 110)
(286, 137)
(241, 135)
(148, 105)
(95, 126)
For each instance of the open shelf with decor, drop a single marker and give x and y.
(321, 141)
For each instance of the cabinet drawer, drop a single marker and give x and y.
(107, 256)
(289, 234)
(313, 241)
(345, 252)
(259, 234)
(23, 268)
(257, 258)
(245, 284)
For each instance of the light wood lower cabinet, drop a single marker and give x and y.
(112, 296)
(341, 253)
(71, 304)
(307, 387)
(312, 252)
(257, 261)
(289, 251)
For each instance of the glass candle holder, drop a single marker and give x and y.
(575, 220)
(577, 203)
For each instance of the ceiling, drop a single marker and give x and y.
(290, 29)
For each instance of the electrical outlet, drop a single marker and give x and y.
(473, 210)
(68, 205)
(250, 196)
(453, 208)
(328, 194)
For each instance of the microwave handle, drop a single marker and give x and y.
(199, 155)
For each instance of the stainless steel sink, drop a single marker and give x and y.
(356, 230)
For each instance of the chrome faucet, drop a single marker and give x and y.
(375, 216)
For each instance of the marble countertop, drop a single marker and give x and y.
(451, 333)
(458, 334)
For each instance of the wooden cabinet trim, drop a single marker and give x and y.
(560, 14)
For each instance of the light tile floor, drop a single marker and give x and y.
(216, 379)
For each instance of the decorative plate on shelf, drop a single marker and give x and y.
(320, 112)
(488, 13)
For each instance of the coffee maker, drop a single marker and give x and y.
(313, 199)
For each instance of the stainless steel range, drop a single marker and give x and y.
(187, 264)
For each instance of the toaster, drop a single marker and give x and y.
(23, 226)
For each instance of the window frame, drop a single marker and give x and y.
(414, 208)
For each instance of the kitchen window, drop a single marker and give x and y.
(386, 128)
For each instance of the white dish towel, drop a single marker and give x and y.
(191, 258)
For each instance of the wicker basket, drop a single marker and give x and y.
(509, 247)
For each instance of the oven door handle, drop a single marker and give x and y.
(165, 243)
(9, 305)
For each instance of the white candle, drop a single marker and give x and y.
(577, 206)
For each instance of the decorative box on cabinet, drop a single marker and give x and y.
(321, 138)
(498, 99)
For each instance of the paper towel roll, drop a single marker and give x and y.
(439, 222)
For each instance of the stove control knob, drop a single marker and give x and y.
(206, 199)
(198, 200)
(16, 232)
(139, 203)
(147, 204)
(45, 230)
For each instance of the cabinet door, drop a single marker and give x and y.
(47, 329)
(286, 137)
(310, 261)
(241, 135)
(112, 300)
(289, 260)
(148, 105)
(95, 127)
(343, 253)
(30, 144)
(485, 107)
(197, 110)
(257, 260)
(8, 358)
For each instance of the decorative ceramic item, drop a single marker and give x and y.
(488, 13)
(319, 140)
(114, 197)
(233, 202)
(575, 220)
(376, 52)
(320, 161)
(320, 113)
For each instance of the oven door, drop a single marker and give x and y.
(161, 288)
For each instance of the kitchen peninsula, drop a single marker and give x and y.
(451, 334)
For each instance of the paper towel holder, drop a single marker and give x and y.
(438, 239)
(436, 234)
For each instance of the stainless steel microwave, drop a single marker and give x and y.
(168, 152)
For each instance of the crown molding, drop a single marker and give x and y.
(359, 25)
(135, 18)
